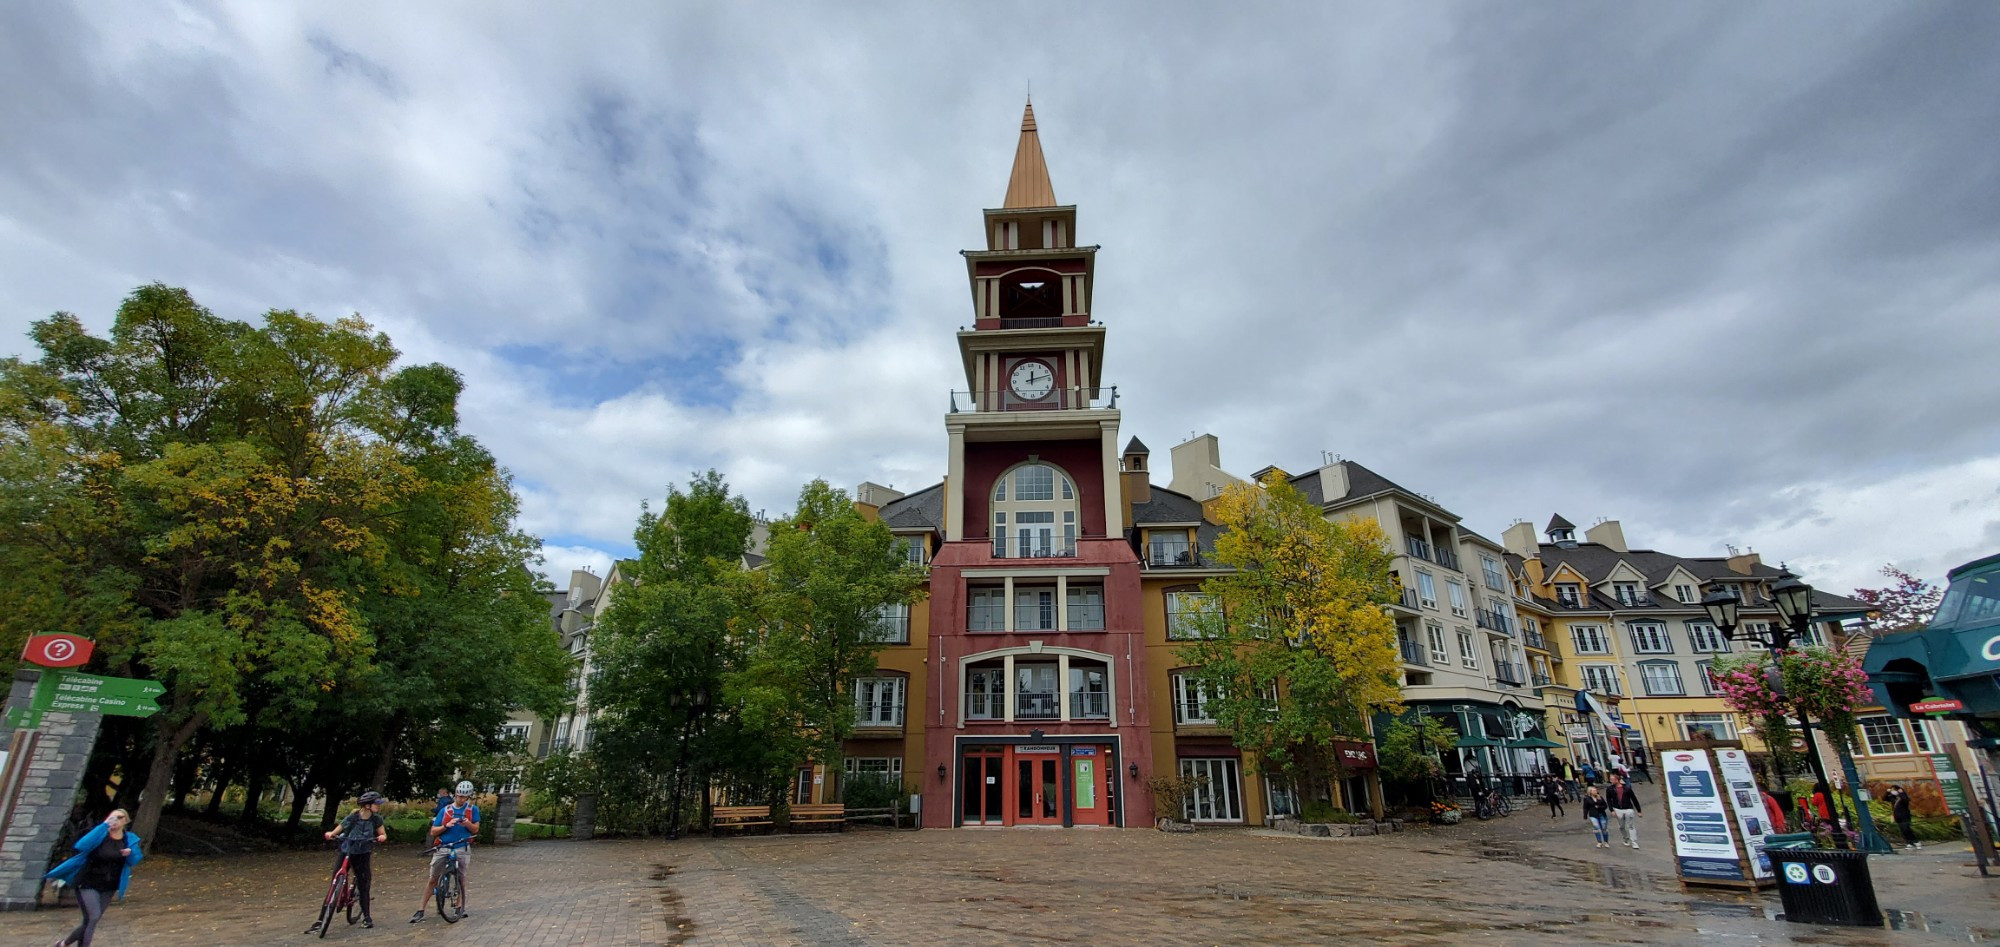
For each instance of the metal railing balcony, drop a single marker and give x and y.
(1418, 548)
(1032, 549)
(1072, 398)
(1494, 621)
(1408, 598)
(1540, 680)
(986, 618)
(1508, 673)
(1413, 653)
(878, 714)
(1037, 705)
(1446, 558)
(1174, 554)
(1640, 598)
(1090, 706)
(1534, 639)
(1031, 322)
(1086, 618)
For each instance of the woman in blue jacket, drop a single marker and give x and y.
(102, 867)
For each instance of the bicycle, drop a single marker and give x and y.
(340, 896)
(449, 889)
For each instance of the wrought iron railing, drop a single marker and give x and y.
(1072, 398)
(1413, 653)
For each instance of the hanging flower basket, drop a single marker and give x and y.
(1820, 684)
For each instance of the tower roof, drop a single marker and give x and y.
(1029, 185)
(1559, 523)
(1136, 447)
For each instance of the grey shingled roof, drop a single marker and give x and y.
(1166, 506)
(1595, 562)
(1361, 482)
(1135, 447)
(1558, 523)
(923, 509)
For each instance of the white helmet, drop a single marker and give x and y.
(465, 787)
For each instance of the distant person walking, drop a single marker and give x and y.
(1589, 774)
(1899, 806)
(1596, 810)
(102, 868)
(1552, 793)
(1624, 805)
(1774, 810)
(1569, 781)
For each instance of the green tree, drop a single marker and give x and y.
(664, 647)
(819, 600)
(1301, 650)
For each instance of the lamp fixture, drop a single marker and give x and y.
(1722, 604)
(941, 772)
(1133, 769)
(1794, 597)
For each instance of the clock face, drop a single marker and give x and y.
(1032, 381)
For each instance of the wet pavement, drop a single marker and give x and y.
(1523, 879)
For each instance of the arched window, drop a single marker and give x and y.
(1034, 513)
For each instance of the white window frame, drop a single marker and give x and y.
(1221, 800)
(892, 623)
(1721, 724)
(1191, 700)
(888, 767)
(879, 701)
(1456, 591)
(1427, 593)
(1602, 678)
(1596, 637)
(1650, 637)
(982, 600)
(1627, 593)
(994, 696)
(1052, 530)
(1039, 601)
(1468, 652)
(913, 550)
(1920, 737)
(1434, 630)
(1192, 605)
(1089, 598)
(1705, 638)
(1667, 682)
(1685, 594)
(1495, 578)
(1570, 593)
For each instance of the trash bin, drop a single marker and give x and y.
(1788, 841)
(1822, 886)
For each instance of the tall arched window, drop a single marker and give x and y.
(1034, 513)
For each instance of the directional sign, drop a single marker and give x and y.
(57, 651)
(23, 718)
(91, 693)
(1936, 705)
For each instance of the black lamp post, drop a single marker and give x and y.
(1794, 600)
(697, 701)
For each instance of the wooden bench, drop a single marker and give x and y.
(831, 814)
(740, 817)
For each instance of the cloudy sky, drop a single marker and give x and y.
(1729, 273)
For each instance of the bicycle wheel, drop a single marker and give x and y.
(353, 904)
(335, 893)
(449, 896)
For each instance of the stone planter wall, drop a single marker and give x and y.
(1337, 830)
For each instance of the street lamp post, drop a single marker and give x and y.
(1794, 601)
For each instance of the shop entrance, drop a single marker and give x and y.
(1038, 784)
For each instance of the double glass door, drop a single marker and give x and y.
(1037, 790)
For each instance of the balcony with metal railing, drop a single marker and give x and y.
(1418, 548)
(1539, 679)
(1089, 705)
(1072, 398)
(1174, 554)
(1446, 558)
(1494, 621)
(1533, 639)
(878, 714)
(1086, 617)
(1037, 705)
(1032, 547)
(1408, 599)
(1508, 674)
(1413, 653)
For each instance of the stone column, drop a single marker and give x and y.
(47, 791)
(583, 824)
(503, 818)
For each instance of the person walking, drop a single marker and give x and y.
(1624, 805)
(102, 868)
(1899, 806)
(1569, 781)
(1595, 811)
(1552, 793)
(1589, 773)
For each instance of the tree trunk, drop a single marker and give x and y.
(186, 769)
(331, 811)
(167, 741)
(253, 793)
(387, 759)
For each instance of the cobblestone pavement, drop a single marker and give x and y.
(1524, 879)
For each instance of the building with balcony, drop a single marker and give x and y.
(1630, 636)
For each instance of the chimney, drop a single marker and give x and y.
(871, 497)
(1197, 468)
(1333, 481)
(1607, 534)
(1520, 540)
(1744, 563)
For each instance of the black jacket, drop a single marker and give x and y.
(1622, 797)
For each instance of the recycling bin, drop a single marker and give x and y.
(1822, 886)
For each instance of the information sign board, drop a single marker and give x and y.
(1704, 844)
(1746, 801)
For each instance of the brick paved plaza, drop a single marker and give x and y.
(1519, 880)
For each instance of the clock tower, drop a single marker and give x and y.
(1037, 706)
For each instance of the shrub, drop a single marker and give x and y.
(871, 791)
(1321, 811)
(1173, 794)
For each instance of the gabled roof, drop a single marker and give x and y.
(1166, 506)
(923, 509)
(1028, 185)
(1361, 482)
(1558, 523)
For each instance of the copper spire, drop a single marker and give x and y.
(1029, 185)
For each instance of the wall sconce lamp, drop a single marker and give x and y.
(1133, 769)
(941, 772)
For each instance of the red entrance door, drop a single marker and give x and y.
(1037, 789)
(984, 776)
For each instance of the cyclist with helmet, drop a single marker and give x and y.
(454, 828)
(359, 833)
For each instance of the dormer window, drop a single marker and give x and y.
(1569, 593)
(1034, 513)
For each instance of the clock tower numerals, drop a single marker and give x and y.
(1031, 380)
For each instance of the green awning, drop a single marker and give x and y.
(1477, 741)
(1534, 743)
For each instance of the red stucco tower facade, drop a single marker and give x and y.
(1036, 711)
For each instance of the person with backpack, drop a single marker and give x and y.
(359, 833)
(453, 829)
